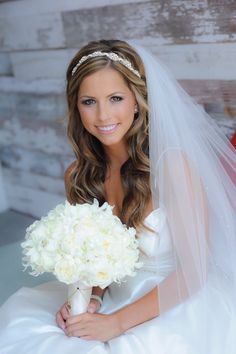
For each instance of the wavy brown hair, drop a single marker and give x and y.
(86, 178)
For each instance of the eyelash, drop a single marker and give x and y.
(117, 99)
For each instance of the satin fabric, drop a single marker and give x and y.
(27, 319)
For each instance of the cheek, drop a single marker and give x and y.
(128, 113)
(86, 117)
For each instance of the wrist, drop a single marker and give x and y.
(97, 298)
(118, 319)
(117, 323)
(143, 309)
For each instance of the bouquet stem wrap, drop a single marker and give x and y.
(78, 297)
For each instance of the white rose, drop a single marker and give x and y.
(66, 270)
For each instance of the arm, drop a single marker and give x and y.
(141, 310)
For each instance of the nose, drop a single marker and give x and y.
(102, 112)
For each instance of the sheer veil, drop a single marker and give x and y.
(193, 178)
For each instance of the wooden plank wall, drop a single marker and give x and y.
(196, 39)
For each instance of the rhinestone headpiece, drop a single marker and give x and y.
(113, 56)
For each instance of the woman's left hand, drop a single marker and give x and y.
(93, 326)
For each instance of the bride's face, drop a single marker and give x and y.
(106, 106)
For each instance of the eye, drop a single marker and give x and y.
(116, 98)
(88, 102)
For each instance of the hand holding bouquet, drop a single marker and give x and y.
(83, 245)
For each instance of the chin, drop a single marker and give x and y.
(110, 142)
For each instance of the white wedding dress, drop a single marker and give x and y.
(27, 319)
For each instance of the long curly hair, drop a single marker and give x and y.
(86, 178)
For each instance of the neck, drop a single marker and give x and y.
(117, 155)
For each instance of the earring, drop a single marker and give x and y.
(136, 112)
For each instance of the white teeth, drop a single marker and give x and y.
(107, 128)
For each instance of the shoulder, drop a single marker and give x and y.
(177, 159)
(67, 178)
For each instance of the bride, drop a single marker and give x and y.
(143, 145)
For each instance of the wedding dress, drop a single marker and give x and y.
(27, 319)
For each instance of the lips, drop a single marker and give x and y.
(107, 128)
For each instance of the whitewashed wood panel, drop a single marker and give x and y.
(43, 86)
(48, 137)
(38, 107)
(26, 7)
(5, 64)
(4, 1)
(31, 32)
(199, 61)
(227, 127)
(190, 61)
(41, 64)
(169, 22)
(36, 99)
(224, 115)
(3, 199)
(31, 201)
(34, 161)
(34, 181)
(219, 91)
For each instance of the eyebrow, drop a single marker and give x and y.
(111, 94)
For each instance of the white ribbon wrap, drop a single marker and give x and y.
(78, 297)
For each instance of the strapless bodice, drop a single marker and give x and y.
(155, 246)
(156, 257)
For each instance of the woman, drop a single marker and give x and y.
(145, 147)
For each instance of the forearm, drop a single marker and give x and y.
(142, 310)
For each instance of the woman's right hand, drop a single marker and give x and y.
(62, 315)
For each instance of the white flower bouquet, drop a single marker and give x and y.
(83, 245)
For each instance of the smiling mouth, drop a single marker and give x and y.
(107, 128)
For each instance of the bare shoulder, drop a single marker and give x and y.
(67, 175)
